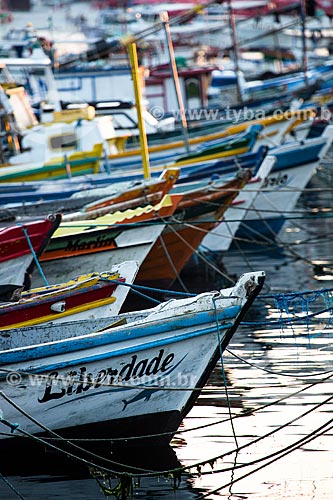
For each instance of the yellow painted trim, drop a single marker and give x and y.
(74, 227)
(83, 281)
(71, 115)
(303, 114)
(78, 155)
(224, 154)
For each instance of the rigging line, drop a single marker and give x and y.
(243, 254)
(263, 239)
(223, 374)
(151, 289)
(242, 447)
(298, 225)
(316, 239)
(271, 204)
(255, 441)
(150, 30)
(271, 372)
(285, 452)
(281, 245)
(286, 247)
(263, 242)
(306, 213)
(265, 34)
(93, 224)
(268, 434)
(260, 217)
(296, 210)
(293, 295)
(123, 385)
(33, 253)
(211, 424)
(279, 453)
(58, 437)
(167, 254)
(289, 217)
(231, 495)
(240, 250)
(265, 223)
(290, 319)
(318, 190)
(9, 484)
(144, 295)
(69, 454)
(249, 412)
(198, 254)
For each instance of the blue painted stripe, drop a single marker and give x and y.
(155, 344)
(127, 332)
(297, 157)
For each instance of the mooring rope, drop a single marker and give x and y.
(272, 372)
(223, 372)
(274, 457)
(211, 460)
(12, 487)
(25, 232)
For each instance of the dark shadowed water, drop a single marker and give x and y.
(279, 379)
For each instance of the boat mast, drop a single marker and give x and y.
(142, 131)
(164, 17)
(235, 50)
(304, 49)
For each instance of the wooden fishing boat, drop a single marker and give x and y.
(116, 384)
(64, 167)
(88, 296)
(87, 203)
(224, 167)
(262, 207)
(230, 146)
(88, 195)
(71, 144)
(19, 244)
(220, 238)
(103, 242)
(274, 128)
(130, 196)
(27, 198)
(240, 143)
(296, 162)
(199, 211)
(145, 188)
(20, 197)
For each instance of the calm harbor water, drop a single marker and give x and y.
(279, 379)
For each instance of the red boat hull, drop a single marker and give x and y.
(14, 239)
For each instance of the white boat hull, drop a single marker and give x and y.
(134, 380)
(220, 238)
(133, 244)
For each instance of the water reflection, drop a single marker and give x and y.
(47, 471)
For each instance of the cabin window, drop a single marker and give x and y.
(193, 94)
(63, 142)
(122, 121)
(192, 88)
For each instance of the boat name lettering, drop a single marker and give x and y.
(279, 180)
(99, 242)
(76, 382)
